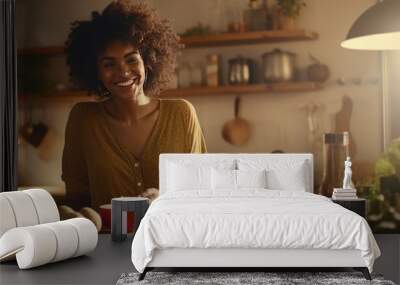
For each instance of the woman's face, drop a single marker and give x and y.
(121, 69)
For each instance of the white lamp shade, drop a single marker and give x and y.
(378, 28)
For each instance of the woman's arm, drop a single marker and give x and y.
(194, 138)
(74, 168)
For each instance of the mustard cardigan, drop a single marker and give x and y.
(96, 168)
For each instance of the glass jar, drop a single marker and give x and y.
(196, 75)
(212, 70)
(336, 150)
(184, 77)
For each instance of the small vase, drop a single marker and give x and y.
(286, 23)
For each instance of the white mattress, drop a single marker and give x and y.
(250, 219)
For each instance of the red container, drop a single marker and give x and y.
(105, 214)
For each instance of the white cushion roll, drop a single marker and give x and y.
(23, 207)
(7, 218)
(87, 235)
(45, 243)
(67, 240)
(35, 245)
(45, 205)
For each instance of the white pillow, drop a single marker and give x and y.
(281, 175)
(188, 177)
(293, 179)
(223, 179)
(251, 178)
(235, 179)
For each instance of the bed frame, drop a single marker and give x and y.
(245, 258)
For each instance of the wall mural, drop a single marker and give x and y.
(44, 72)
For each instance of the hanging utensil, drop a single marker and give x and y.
(236, 131)
(32, 132)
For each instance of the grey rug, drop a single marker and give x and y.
(243, 278)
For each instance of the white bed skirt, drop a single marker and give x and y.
(190, 257)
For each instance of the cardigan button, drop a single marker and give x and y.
(139, 184)
(136, 164)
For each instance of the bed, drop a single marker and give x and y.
(247, 210)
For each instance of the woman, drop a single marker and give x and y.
(126, 55)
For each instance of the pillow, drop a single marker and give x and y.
(251, 178)
(223, 179)
(281, 174)
(293, 179)
(188, 177)
(235, 179)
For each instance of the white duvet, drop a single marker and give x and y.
(251, 218)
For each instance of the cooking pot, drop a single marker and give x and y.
(278, 66)
(241, 70)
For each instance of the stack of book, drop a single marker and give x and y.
(344, 194)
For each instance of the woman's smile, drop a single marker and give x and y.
(125, 83)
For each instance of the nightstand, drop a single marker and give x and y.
(356, 205)
(120, 207)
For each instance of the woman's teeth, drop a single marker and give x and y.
(126, 83)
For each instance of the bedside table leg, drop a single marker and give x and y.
(364, 271)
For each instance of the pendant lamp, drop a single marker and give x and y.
(378, 28)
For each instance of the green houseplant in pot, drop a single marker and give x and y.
(387, 170)
(288, 11)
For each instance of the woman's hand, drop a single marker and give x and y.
(67, 212)
(151, 193)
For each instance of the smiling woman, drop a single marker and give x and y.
(126, 55)
(128, 81)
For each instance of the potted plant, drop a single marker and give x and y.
(288, 11)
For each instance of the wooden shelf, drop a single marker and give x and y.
(224, 39)
(248, 38)
(44, 51)
(287, 87)
(59, 96)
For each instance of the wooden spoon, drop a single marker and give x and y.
(236, 131)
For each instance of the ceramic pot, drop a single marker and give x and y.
(278, 66)
(286, 23)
